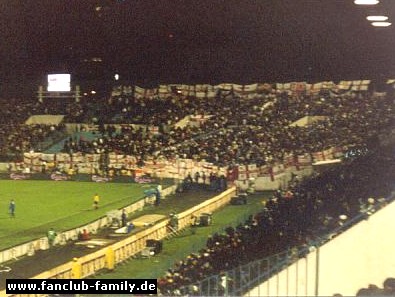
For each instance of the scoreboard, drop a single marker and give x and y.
(58, 83)
(58, 86)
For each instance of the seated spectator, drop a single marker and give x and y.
(318, 206)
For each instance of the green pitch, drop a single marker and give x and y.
(178, 248)
(41, 205)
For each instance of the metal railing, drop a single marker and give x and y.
(238, 281)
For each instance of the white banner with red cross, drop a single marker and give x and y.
(329, 154)
(338, 152)
(129, 162)
(266, 171)
(252, 171)
(116, 160)
(318, 156)
(247, 171)
(304, 160)
(153, 129)
(278, 170)
(242, 172)
(78, 158)
(32, 160)
(92, 158)
(290, 161)
(63, 158)
(139, 92)
(273, 171)
(232, 174)
(252, 88)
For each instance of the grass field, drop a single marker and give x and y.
(41, 205)
(27, 267)
(178, 248)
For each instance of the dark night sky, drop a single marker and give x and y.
(194, 41)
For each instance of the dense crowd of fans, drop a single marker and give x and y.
(236, 130)
(16, 137)
(248, 131)
(305, 214)
(20, 138)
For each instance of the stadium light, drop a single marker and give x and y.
(377, 18)
(366, 2)
(381, 24)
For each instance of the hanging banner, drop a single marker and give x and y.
(200, 88)
(344, 85)
(200, 94)
(304, 160)
(139, 92)
(252, 88)
(252, 170)
(237, 89)
(151, 93)
(127, 90)
(116, 91)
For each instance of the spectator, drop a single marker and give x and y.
(51, 235)
(124, 218)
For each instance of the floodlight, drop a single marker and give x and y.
(377, 18)
(366, 2)
(381, 24)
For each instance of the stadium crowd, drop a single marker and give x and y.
(307, 213)
(248, 131)
(233, 129)
(16, 137)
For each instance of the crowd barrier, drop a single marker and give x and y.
(175, 168)
(265, 183)
(30, 247)
(266, 178)
(278, 177)
(116, 253)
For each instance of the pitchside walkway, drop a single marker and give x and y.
(180, 247)
(44, 260)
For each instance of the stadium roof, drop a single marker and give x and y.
(151, 41)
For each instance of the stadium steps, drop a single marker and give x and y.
(49, 141)
(86, 135)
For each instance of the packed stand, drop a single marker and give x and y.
(236, 131)
(241, 131)
(308, 213)
(15, 136)
(258, 135)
